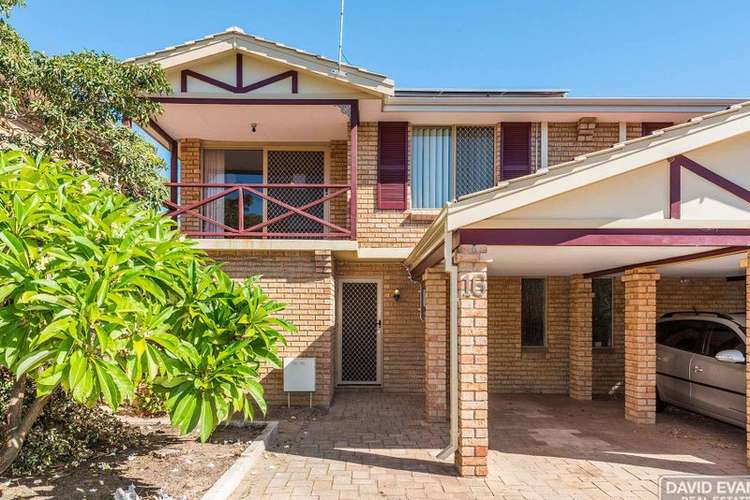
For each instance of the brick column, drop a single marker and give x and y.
(640, 345)
(580, 338)
(436, 344)
(190, 171)
(473, 441)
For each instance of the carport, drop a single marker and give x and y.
(509, 274)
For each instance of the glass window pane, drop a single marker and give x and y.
(532, 312)
(724, 339)
(601, 313)
(475, 159)
(432, 158)
(686, 335)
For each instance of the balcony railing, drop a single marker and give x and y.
(306, 211)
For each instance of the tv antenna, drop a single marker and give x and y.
(338, 71)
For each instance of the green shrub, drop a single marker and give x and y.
(101, 294)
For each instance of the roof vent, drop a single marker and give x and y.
(234, 29)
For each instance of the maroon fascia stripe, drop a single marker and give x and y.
(606, 237)
(681, 161)
(238, 88)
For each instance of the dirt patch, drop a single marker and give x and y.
(178, 466)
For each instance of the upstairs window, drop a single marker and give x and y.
(450, 161)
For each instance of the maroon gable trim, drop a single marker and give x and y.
(702, 237)
(237, 88)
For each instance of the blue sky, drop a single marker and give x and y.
(592, 48)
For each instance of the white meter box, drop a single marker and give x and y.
(299, 374)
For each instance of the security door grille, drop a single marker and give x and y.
(475, 159)
(296, 167)
(359, 334)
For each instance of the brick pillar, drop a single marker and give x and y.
(436, 344)
(190, 171)
(473, 441)
(580, 338)
(640, 345)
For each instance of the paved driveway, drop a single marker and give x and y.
(375, 445)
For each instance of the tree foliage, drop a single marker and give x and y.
(101, 293)
(71, 106)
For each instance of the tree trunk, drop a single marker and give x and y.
(15, 405)
(16, 436)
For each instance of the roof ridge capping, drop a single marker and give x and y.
(236, 31)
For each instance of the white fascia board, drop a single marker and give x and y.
(566, 178)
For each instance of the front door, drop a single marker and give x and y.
(359, 331)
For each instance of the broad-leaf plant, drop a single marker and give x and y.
(99, 293)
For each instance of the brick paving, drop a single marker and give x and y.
(375, 445)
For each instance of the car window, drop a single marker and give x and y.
(686, 335)
(723, 339)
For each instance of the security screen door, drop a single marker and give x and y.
(359, 339)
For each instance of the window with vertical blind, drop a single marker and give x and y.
(475, 159)
(432, 157)
(450, 161)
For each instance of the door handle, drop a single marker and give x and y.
(659, 358)
(697, 369)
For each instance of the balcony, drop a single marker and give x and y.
(263, 211)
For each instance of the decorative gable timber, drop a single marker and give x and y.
(238, 87)
(677, 163)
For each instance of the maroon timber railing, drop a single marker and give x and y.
(223, 210)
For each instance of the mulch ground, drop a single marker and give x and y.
(166, 464)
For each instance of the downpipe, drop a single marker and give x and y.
(452, 270)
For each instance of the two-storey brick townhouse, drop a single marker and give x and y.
(454, 243)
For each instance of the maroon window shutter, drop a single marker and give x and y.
(515, 159)
(648, 127)
(392, 165)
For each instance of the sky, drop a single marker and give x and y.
(591, 48)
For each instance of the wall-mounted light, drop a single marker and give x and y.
(253, 127)
(396, 294)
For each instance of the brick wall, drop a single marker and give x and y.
(304, 281)
(534, 370)
(403, 331)
(514, 369)
(338, 173)
(380, 228)
(564, 143)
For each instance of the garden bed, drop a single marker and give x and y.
(178, 466)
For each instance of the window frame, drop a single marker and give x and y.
(545, 322)
(612, 315)
(454, 151)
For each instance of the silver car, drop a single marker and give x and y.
(700, 364)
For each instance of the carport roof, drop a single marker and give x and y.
(581, 171)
